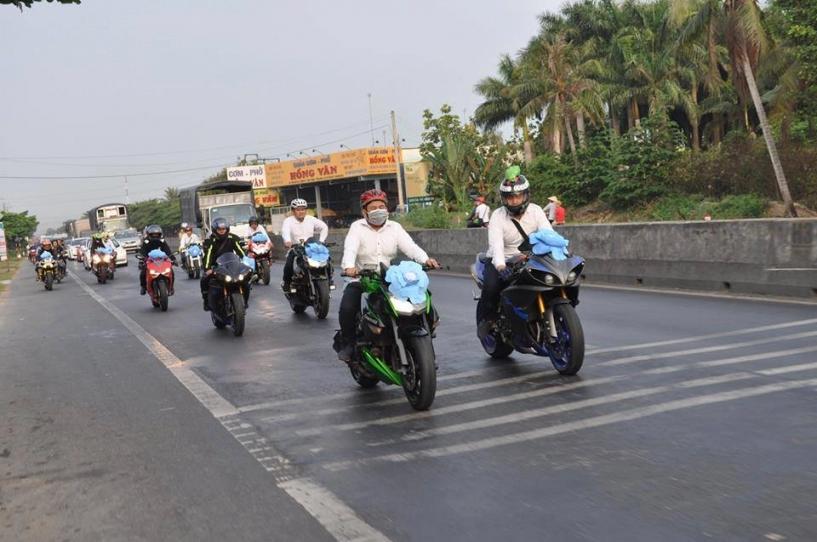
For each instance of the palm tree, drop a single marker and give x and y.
(171, 193)
(502, 104)
(745, 40)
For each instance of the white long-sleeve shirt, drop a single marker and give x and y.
(366, 248)
(186, 240)
(292, 230)
(483, 212)
(504, 238)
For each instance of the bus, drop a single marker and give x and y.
(110, 217)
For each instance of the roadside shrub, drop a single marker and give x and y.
(427, 218)
(740, 206)
(676, 207)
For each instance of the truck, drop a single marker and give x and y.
(233, 200)
(110, 217)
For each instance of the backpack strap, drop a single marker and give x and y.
(525, 244)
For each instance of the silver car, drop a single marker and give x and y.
(129, 239)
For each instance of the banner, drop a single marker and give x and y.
(327, 167)
(255, 174)
(3, 250)
(264, 197)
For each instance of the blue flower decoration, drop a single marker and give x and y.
(407, 281)
(547, 241)
(194, 251)
(317, 251)
(107, 250)
(45, 256)
(157, 254)
(259, 237)
(249, 262)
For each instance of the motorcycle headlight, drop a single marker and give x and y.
(550, 280)
(571, 276)
(107, 258)
(154, 273)
(406, 307)
(241, 277)
(228, 278)
(96, 258)
(315, 263)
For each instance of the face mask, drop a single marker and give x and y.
(377, 217)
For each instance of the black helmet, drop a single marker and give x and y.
(218, 224)
(514, 183)
(253, 219)
(154, 232)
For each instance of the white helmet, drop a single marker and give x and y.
(298, 202)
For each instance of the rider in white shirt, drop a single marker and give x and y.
(371, 241)
(255, 227)
(187, 238)
(296, 228)
(504, 239)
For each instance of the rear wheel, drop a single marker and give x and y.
(363, 380)
(237, 325)
(420, 380)
(492, 343)
(567, 352)
(161, 286)
(321, 305)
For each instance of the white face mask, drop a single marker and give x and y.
(377, 217)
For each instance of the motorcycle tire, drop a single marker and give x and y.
(265, 272)
(493, 344)
(237, 324)
(162, 288)
(216, 322)
(198, 272)
(49, 282)
(363, 380)
(101, 277)
(297, 308)
(420, 380)
(567, 353)
(191, 274)
(321, 304)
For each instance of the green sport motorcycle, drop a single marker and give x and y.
(395, 329)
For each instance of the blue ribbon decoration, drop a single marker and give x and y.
(407, 280)
(317, 251)
(547, 241)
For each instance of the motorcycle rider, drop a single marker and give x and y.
(504, 240)
(299, 226)
(255, 227)
(45, 246)
(153, 240)
(372, 240)
(186, 239)
(221, 241)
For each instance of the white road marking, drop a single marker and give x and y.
(337, 518)
(720, 347)
(597, 421)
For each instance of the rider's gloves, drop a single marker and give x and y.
(506, 273)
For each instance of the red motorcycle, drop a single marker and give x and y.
(260, 248)
(159, 278)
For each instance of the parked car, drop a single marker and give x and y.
(129, 239)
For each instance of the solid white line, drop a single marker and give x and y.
(337, 518)
(578, 425)
(647, 357)
(721, 335)
(730, 361)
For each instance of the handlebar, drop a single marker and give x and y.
(374, 272)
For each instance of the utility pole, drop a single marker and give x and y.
(401, 204)
(371, 119)
(127, 200)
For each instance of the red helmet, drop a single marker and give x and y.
(372, 195)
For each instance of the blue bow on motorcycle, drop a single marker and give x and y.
(157, 254)
(194, 251)
(547, 241)
(317, 252)
(407, 280)
(259, 237)
(249, 262)
(45, 256)
(106, 250)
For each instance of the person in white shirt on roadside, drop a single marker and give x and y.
(371, 241)
(297, 228)
(504, 239)
(481, 215)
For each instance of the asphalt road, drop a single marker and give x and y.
(692, 419)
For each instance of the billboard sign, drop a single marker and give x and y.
(326, 167)
(255, 174)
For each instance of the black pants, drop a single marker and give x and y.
(492, 286)
(288, 266)
(204, 283)
(349, 309)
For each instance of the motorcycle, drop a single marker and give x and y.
(193, 260)
(46, 269)
(103, 264)
(226, 296)
(158, 278)
(395, 328)
(260, 249)
(311, 278)
(537, 308)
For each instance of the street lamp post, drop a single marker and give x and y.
(317, 151)
(342, 146)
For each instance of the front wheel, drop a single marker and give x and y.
(161, 286)
(237, 324)
(101, 275)
(321, 304)
(567, 352)
(49, 281)
(265, 272)
(420, 380)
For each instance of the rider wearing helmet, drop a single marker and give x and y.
(221, 241)
(371, 241)
(154, 239)
(45, 246)
(186, 239)
(255, 227)
(504, 239)
(296, 228)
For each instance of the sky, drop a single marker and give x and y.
(168, 93)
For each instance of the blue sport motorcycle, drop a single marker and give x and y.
(537, 307)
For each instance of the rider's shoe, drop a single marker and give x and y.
(285, 286)
(205, 304)
(142, 290)
(484, 328)
(346, 353)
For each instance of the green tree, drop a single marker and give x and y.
(28, 3)
(18, 225)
